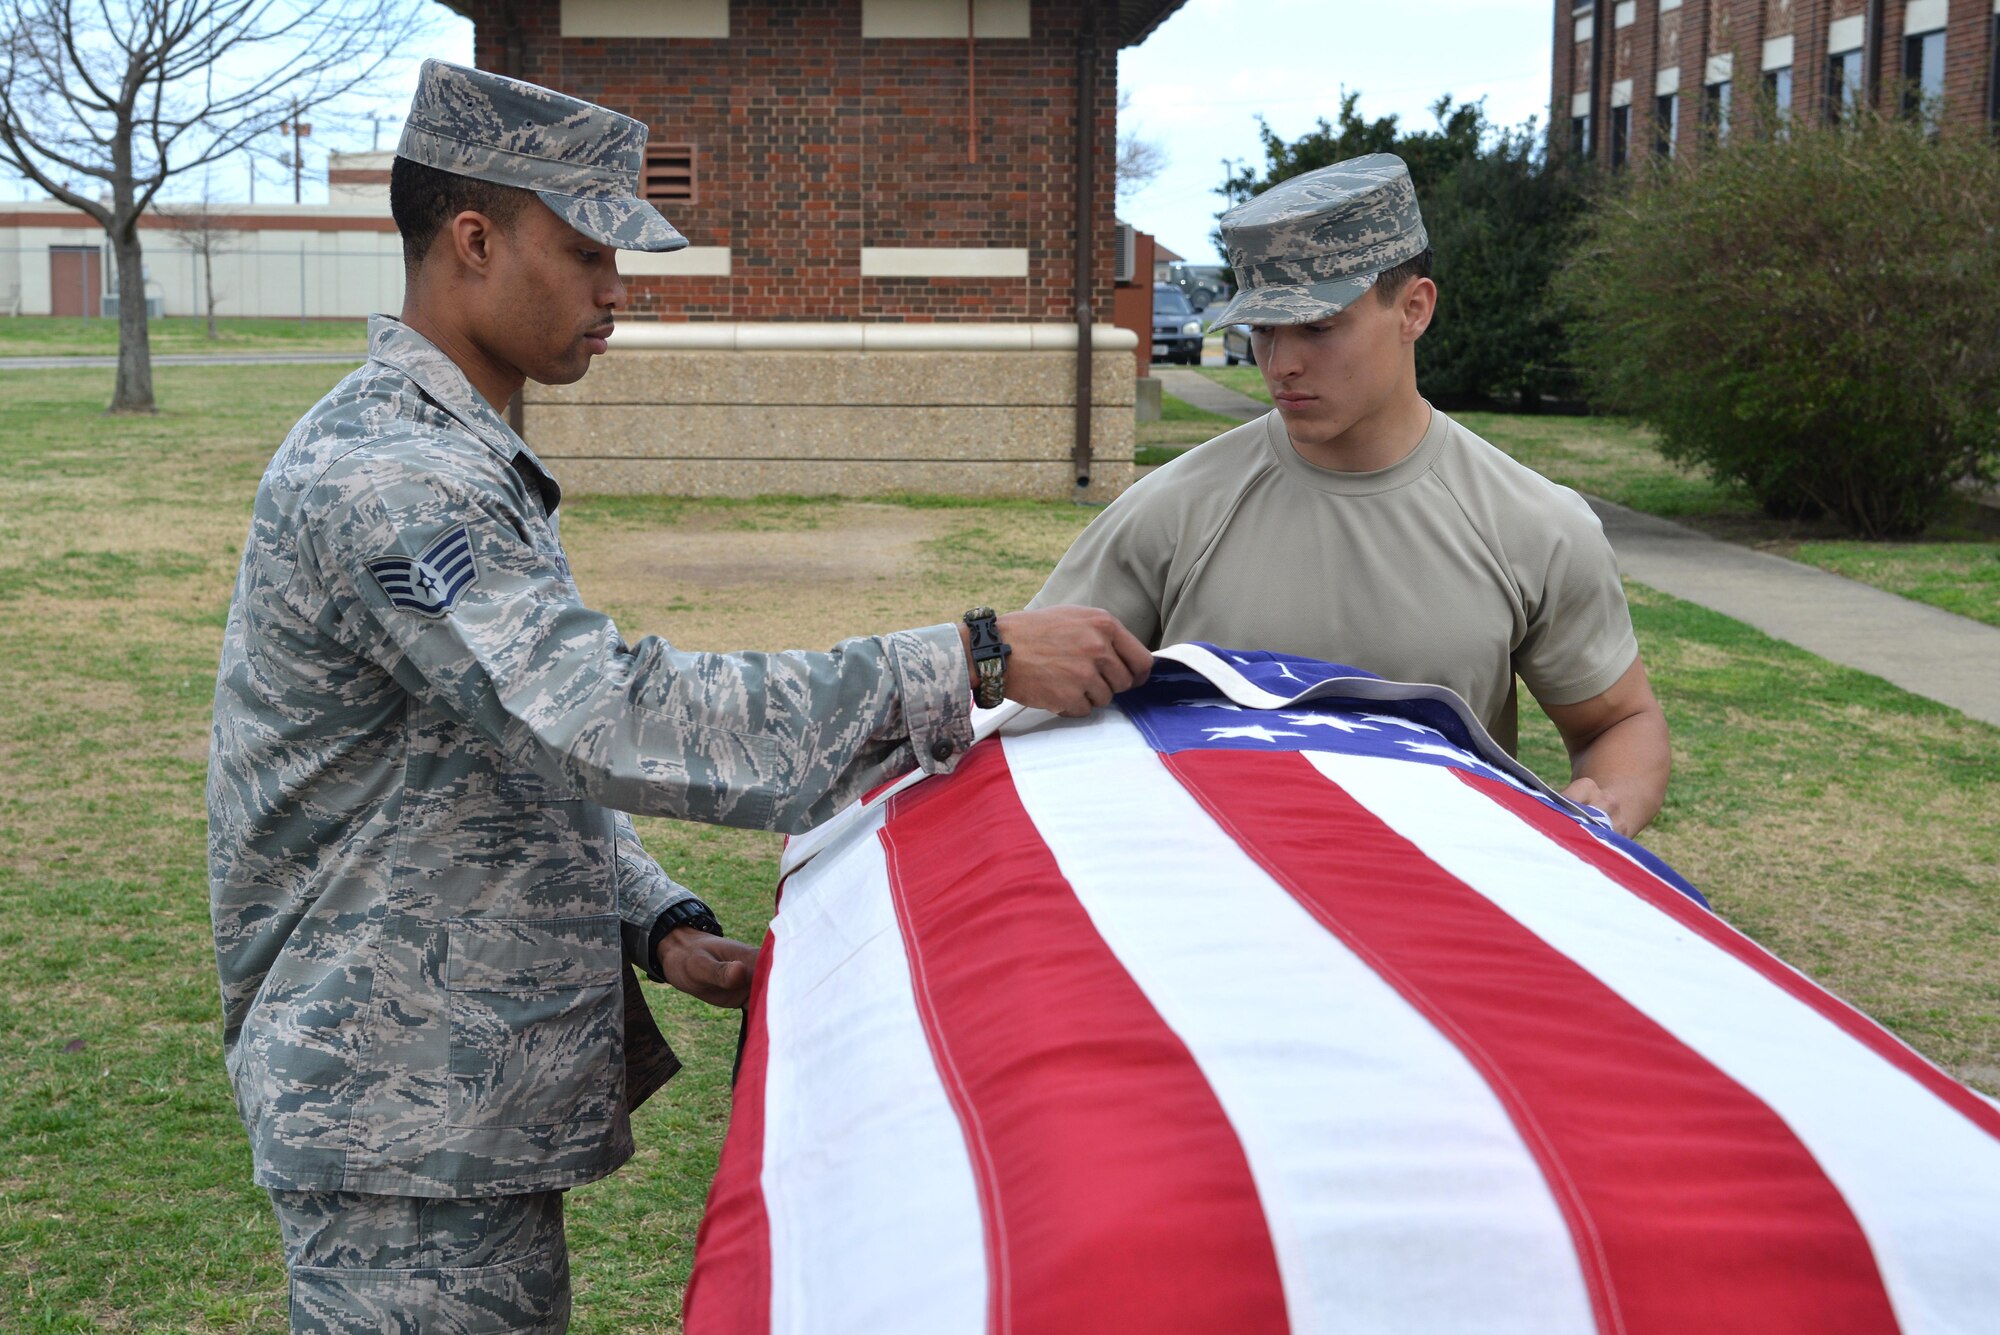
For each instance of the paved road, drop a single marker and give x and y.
(354, 358)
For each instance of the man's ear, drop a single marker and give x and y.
(1419, 304)
(471, 234)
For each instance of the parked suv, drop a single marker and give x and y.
(1176, 328)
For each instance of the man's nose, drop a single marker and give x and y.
(1284, 351)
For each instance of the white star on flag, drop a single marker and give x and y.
(1207, 704)
(1432, 749)
(1253, 730)
(1329, 721)
(1400, 723)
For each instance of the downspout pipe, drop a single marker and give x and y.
(1086, 237)
(1599, 31)
(1871, 56)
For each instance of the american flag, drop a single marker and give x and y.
(1277, 997)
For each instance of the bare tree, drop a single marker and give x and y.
(203, 231)
(131, 93)
(1139, 160)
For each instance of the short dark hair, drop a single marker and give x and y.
(423, 199)
(1389, 284)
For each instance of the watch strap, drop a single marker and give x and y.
(686, 913)
(989, 658)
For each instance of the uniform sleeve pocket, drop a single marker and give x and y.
(536, 1020)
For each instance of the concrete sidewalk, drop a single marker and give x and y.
(1951, 659)
(354, 358)
(1196, 388)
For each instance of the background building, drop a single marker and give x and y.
(1644, 76)
(895, 213)
(340, 260)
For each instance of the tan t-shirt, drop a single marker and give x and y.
(1455, 566)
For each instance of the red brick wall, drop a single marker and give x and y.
(1741, 26)
(812, 143)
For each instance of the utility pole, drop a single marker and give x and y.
(298, 129)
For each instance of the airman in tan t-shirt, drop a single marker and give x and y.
(1356, 524)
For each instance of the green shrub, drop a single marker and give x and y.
(1815, 316)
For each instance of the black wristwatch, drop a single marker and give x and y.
(687, 913)
(989, 658)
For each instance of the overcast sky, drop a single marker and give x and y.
(1196, 85)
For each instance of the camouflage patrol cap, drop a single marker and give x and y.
(1307, 248)
(581, 159)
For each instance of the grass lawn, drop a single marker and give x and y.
(1243, 379)
(1850, 826)
(1957, 568)
(1181, 426)
(1961, 577)
(68, 336)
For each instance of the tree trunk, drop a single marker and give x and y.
(208, 281)
(134, 390)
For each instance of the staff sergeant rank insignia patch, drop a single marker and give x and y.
(430, 583)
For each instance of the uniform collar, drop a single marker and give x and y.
(1402, 473)
(401, 348)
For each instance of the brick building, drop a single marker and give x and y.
(887, 202)
(1645, 76)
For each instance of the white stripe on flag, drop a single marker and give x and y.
(1923, 1182)
(1399, 1196)
(884, 1234)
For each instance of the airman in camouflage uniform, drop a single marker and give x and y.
(427, 896)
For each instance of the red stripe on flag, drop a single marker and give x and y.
(1693, 1206)
(1721, 935)
(1116, 1196)
(729, 1292)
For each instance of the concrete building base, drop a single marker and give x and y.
(1148, 389)
(749, 410)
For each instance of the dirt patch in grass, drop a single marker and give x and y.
(780, 575)
(702, 554)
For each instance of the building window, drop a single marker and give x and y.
(1666, 124)
(1716, 113)
(1579, 135)
(1923, 78)
(1621, 131)
(1843, 85)
(1778, 91)
(668, 177)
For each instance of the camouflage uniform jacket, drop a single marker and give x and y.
(423, 887)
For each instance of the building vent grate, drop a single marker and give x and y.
(669, 176)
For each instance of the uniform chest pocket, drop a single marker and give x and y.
(537, 1015)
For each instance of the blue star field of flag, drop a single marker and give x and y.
(1179, 709)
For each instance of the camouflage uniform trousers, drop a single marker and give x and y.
(413, 1265)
